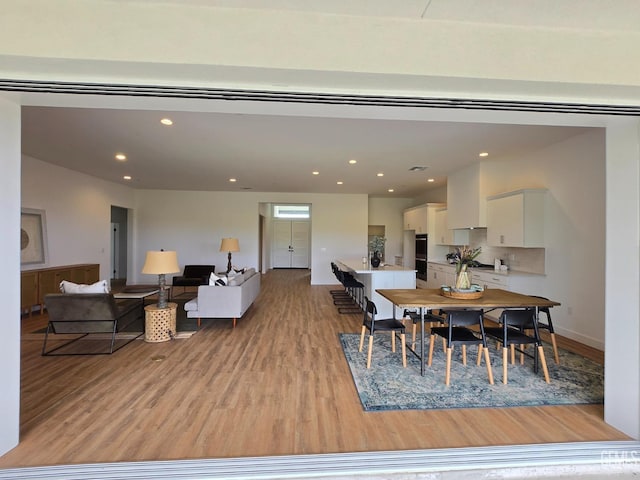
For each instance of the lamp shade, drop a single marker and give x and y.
(161, 262)
(229, 245)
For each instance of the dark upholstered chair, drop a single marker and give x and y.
(374, 325)
(457, 332)
(88, 313)
(512, 334)
(192, 276)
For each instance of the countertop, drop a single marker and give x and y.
(493, 271)
(359, 267)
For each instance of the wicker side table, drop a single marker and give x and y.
(159, 323)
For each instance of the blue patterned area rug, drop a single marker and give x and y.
(388, 386)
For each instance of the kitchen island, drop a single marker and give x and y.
(387, 277)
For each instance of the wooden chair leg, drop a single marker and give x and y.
(447, 377)
(543, 362)
(504, 364)
(513, 354)
(555, 348)
(522, 354)
(370, 351)
(393, 341)
(431, 340)
(479, 359)
(487, 359)
(362, 338)
(464, 354)
(413, 334)
(404, 350)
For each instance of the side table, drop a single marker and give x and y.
(159, 323)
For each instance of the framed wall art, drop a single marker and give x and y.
(33, 237)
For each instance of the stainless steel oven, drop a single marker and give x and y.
(421, 256)
(421, 268)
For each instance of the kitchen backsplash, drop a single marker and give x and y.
(531, 260)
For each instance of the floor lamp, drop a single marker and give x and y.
(229, 245)
(161, 263)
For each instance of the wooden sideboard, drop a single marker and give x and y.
(35, 284)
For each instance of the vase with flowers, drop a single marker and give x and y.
(463, 256)
(376, 245)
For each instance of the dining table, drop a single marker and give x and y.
(426, 300)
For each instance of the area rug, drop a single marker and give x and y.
(389, 386)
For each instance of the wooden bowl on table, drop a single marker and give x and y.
(461, 295)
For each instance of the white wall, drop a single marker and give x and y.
(388, 212)
(10, 278)
(192, 223)
(573, 171)
(78, 212)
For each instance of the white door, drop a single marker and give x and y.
(300, 244)
(290, 244)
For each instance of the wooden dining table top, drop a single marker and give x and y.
(432, 298)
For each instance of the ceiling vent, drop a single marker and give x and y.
(417, 169)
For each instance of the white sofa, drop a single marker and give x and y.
(230, 301)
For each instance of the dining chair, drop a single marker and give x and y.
(511, 333)
(549, 327)
(458, 332)
(374, 325)
(413, 314)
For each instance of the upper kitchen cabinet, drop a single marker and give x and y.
(466, 197)
(516, 219)
(445, 235)
(415, 218)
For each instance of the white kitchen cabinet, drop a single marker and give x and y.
(489, 279)
(516, 219)
(448, 236)
(415, 218)
(439, 274)
(466, 197)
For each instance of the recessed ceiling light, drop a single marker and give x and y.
(339, 182)
(390, 190)
(431, 180)
(483, 154)
(127, 177)
(121, 156)
(381, 174)
(233, 180)
(353, 162)
(316, 173)
(166, 121)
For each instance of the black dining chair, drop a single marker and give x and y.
(511, 333)
(374, 325)
(549, 327)
(458, 332)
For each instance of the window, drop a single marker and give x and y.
(291, 211)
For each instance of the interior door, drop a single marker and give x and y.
(290, 244)
(300, 244)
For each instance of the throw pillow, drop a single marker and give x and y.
(218, 281)
(101, 286)
(236, 280)
(239, 270)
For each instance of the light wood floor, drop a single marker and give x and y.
(276, 384)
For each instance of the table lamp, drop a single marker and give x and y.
(160, 263)
(229, 245)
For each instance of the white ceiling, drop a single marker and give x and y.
(268, 153)
(277, 153)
